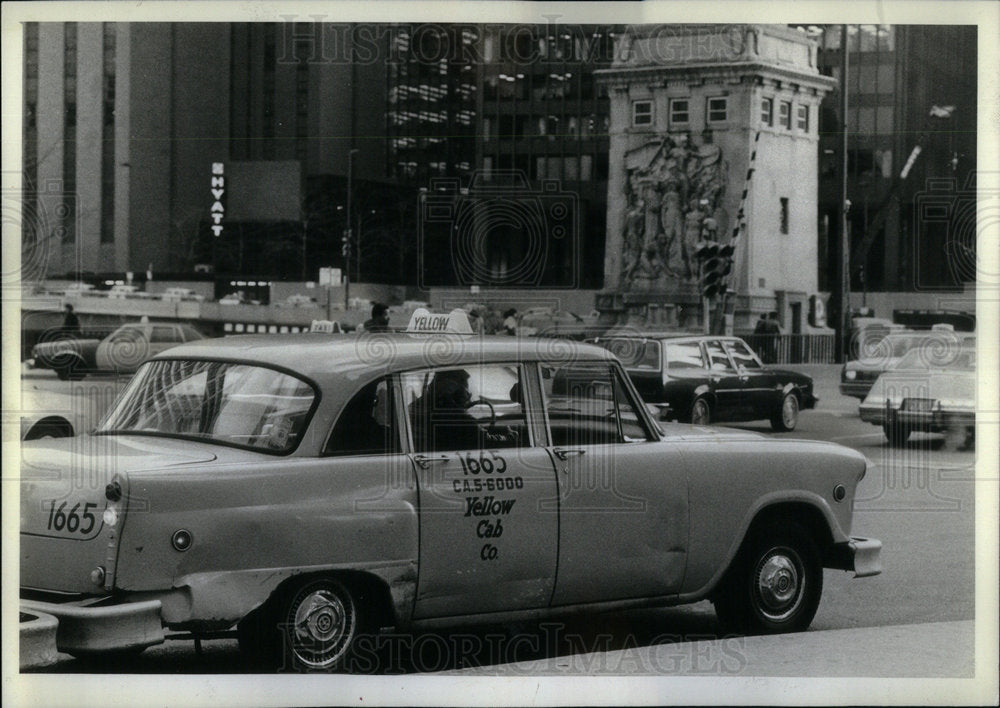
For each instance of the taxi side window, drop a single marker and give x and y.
(466, 408)
(717, 357)
(589, 405)
(366, 426)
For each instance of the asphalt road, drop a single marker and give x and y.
(919, 502)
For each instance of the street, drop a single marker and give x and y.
(919, 501)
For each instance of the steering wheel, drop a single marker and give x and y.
(493, 411)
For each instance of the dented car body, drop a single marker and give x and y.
(308, 489)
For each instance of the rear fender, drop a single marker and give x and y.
(217, 600)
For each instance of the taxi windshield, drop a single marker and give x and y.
(229, 403)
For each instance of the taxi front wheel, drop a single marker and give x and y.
(774, 585)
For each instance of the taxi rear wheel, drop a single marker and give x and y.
(320, 621)
(774, 585)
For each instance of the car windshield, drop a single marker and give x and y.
(234, 404)
(635, 353)
(928, 358)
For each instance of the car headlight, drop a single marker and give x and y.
(850, 374)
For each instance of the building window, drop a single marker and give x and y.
(717, 109)
(784, 215)
(803, 118)
(785, 115)
(680, 111)
(767, 111)
(642, 113)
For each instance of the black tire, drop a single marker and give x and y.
(897, 433)
(312, 626)
(260, 640)
(701, 412)
(774, 585)
(787, 416)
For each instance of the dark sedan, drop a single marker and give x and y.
(705, 379)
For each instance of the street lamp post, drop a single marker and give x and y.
(347, 241)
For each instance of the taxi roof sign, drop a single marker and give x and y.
(423, 321)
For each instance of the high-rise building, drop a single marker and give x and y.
(908, 87)
(125, 123)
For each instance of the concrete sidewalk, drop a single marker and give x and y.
(932, 650)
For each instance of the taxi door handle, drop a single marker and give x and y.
(562, 453)
(425, 460)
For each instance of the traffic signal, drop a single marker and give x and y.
(717, 264)
(345, 249)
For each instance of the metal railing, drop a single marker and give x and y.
(793, 348)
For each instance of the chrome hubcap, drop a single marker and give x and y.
(700, 415)
(320, 623)
(779, 586)
(789, 411)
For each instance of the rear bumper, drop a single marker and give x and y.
(38, 640)
(856, 389)
(859, 555)
(927, 421)
(83, 629)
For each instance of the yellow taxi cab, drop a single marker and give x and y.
(309, 490)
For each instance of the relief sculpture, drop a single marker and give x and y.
(675, 190)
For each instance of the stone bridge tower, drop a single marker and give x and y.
(693, 109)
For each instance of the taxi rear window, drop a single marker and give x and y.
(223, 402)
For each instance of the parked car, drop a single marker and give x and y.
(877, 355)
(309, 490)
(47, 413)
(928, 390)
(122, 351)
(706, 379)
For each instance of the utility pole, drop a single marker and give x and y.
(844, 326)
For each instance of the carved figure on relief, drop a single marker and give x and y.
(675, 186)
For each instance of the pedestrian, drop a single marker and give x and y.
(475, 321)
(510, 322)
(773, 331)
(379, 321)
(71, 323)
